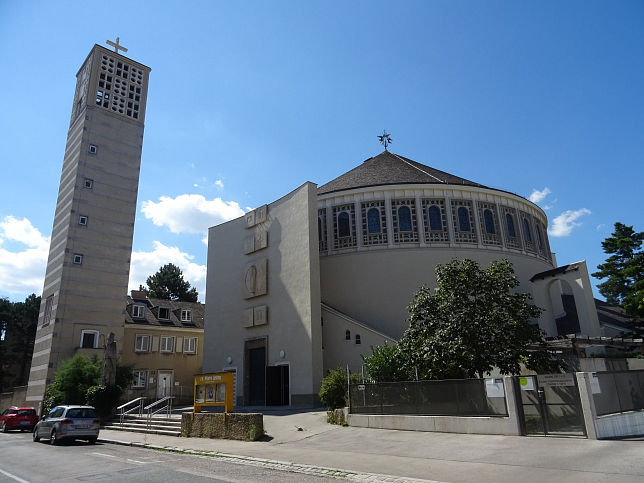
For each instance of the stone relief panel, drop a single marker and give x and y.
(260, 315)
(256, 216)
(255, 279)
(247, 318)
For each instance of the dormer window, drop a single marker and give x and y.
(186, 315)
(164, 313)
(138, 311)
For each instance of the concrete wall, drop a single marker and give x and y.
(507, 425)
(17, 397)
(289, 294)
(376, 286)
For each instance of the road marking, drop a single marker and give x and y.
(103, 454)
(140, 462)
(13, 477)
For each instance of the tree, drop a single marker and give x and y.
(623, 270)
(72, 380)
(18, 321)
(471, 323)
(168, 283)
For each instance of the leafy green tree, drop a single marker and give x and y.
(473, 321)
(168, 283)
(623, 270)
(18, 321)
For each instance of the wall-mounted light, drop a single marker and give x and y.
(282, 354)
(229, 360)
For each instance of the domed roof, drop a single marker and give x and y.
(389, 168)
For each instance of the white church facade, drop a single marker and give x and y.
(312, 280)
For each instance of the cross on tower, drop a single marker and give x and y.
(116, 45)
(385, 139)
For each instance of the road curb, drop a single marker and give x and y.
(289, 466)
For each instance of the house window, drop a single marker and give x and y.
(488, 217)
(82, 220)
(463, 219)
(539, 239)
(404, 218)
(164, 313)
(526, 229)
(93, 149)
(138, 311)
(190, 345)
(166, 344)
(78, 259)
(344, 226)
(139, 378)
(509, 221)
(48, 304)
(142, 343)
(435, 219)
(347, 335)
(373, 221)
(186, 315)
(89, 339)
(89, 183)
(358, 341)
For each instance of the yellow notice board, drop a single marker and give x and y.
(214, 389)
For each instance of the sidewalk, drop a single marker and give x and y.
(305, 442)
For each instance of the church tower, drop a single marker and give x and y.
(85, 288)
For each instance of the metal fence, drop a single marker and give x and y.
(618, 392)
(457, 397)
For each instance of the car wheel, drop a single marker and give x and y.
(35, 435)
(92, 440)
(52, 438)
(4, 427)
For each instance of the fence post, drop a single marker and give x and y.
(587, 403)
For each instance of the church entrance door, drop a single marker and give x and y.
(277, 386)
(257, 376)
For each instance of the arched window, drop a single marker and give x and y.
(344, 227)
(347, 335)
(358, 341)
(463, 219)
(526, 229)
(404, 218)
(510, 222)
(488, 217)
(373, 221)
(539, 239)
(435, 218)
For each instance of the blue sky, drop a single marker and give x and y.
(248, 100)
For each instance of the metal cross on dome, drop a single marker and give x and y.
(116, 45)
(385, 139)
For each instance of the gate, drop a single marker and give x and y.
(550, 405)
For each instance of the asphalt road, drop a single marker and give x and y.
(22, 460)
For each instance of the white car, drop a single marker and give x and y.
(68, 422)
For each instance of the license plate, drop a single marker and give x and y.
(82, 426)
(23, 423)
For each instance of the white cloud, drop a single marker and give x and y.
(144, 264)
(190, 213)
(563, 224)
(536, 196)
(600, 226)
(22, 270)
(219, 184)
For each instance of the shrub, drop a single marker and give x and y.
(333, 392)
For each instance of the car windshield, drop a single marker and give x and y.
(81, 413)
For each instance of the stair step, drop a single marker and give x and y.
(148, 431)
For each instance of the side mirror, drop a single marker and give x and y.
(43, 417)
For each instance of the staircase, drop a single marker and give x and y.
(170, 426)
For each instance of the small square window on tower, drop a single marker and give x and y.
(78, 259)
(89, 183)
(93, 149)
(82, 220)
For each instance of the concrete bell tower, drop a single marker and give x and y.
(85, 288)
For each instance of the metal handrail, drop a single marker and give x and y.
(167, 407)
(123, 412)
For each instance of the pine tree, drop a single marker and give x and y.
(168, 283)
(623, 270)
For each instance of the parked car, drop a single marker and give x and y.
(68, 422)
(18, 418)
